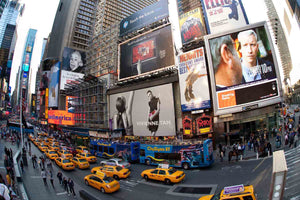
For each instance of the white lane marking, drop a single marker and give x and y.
(61, 193)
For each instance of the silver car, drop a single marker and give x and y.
(116, 161)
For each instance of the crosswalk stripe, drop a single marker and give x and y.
(61, 193)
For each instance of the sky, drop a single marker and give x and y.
(39, 15)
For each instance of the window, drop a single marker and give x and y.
(162, 172)
(110, 169)
(154, 171)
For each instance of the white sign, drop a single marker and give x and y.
(69, 77)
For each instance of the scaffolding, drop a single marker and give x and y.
(89, 101)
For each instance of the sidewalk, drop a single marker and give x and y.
(33, 182)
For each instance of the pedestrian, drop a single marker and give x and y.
(59, 176)
(44, 176)
(65, 184)
(51, 178)
(71, 186)
(4, 192)
(8, 179)
(22, 166)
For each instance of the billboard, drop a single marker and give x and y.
(45, 80)
(144, 112)
(61, 117)
(73, 63)
(191, 25)
(149, 52)
(144, 17)
(70, 104)
(193, 80)
(243, 69)
(53, 85)
(223, 16)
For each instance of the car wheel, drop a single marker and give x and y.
(167, 181)
(116, 177)
(102, 190)
(147, 162)
(146, 177)
(86, 182)
(186, 166)
(94, 172)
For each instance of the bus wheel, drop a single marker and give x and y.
(146, 177)
(147, 162)
(185, 166)
(167, 181)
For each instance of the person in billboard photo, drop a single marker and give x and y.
(191, 29)
(123, 118)
(153, 113)
(53, 87)
(227, 64)
(234, 11)
(76, 62)
(45, 81)
(254, 68)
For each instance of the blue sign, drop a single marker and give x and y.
(25, 67)
(25, 75)
(234, 189)
(144, 17)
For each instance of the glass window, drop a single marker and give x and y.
(162, 172)
(154, 171)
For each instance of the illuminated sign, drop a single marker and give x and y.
(158, 149)
(61, 117)
(204, 124)
(187, 125)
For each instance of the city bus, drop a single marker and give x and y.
(105, 149)
(185, 156)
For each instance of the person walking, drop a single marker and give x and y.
(22, 166)
(65, 184)
(51, 178)
(71, 186)
(59, 176)
(44, 176)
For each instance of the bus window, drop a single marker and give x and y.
(105, 150)
(142, 152)
(111, 151)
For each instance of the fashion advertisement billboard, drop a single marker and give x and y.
(73, 63)
(146, 53)
(144, 17)
(191, 26)
(243, 69)
(224, 15)
(144, 112)
(193, 80)
(53, 85)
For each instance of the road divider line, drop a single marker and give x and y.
(258, 165)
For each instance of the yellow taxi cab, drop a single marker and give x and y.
(43, 147)
(81, 163)
(81, 149)
(88, 156)
(164, 173)
(54, 147)
(65, 153)
(236, 192)
(116, 172)
(64, 163)
(46, 142)
(36, 142)
(42, 134)
(102, 182)
(51, 154)
(31, 137)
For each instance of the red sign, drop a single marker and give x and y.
(204, 124)
(187, 125)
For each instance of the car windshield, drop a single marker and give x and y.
(66, 152)
(84, 149)
(216, 197)
(108, 179)
(123, 163)
(82, 160)
(172, 170)
(118, 168)
(66, 161)
(52, 152)
(88, 155)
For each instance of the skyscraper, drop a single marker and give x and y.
(2, 5)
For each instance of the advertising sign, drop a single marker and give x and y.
(53, 85)
(243, 69)
(144, 112)
(144, 17)
(46, 103)
(224, 15)
(234, 189)
(60, 117)
(191, 25)
(45, 80)
(194, 90)
(70, 104)
(69, 77)
(73, 60)
(187, 125)
(204, 124)
(149, 52)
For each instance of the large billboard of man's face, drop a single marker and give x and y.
(73, 63)
(144, 112)
(243, 68)
(149, 52)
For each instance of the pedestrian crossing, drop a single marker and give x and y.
(128, 184)
(291, 190)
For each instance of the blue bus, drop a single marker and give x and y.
(105, 149)
(185, 156)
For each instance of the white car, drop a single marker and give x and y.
(116, 161)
